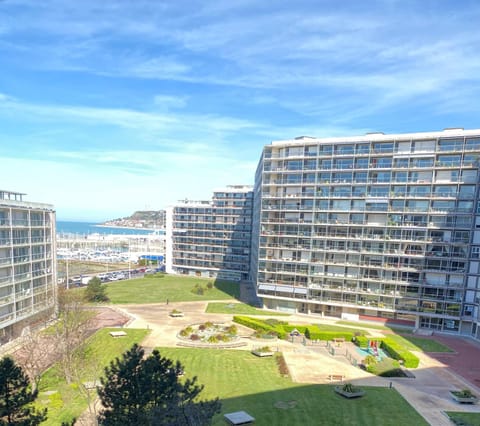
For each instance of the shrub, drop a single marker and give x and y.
(360, 341)
(213, 339)
(397, 351)
(202, 327)
(348, 387)
(275, 322)
(194, 337)
(232, 329)
(209, 285)
(259, 325)
(209, 324)
(307, 333)
(370, 360)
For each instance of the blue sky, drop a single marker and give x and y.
(107, 107)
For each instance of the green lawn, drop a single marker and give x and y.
(462, 418)
(238, 309)
(245, 382)
(420, 344)
(64, 402)
(174, 288)
(375, 326)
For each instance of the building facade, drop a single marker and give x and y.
(211, 238)
(27, 264)
(384, 226)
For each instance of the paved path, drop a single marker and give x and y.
(428, 393)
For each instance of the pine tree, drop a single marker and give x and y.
(146, 391)
(95, 291)
(16, 396)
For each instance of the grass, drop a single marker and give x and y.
(174, 288)
(67, 401)
(245, 382)
(375, 326)
(465, 419)
(238, 309)
(420, 344)
(78, 267)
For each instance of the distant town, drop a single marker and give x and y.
(144, 219)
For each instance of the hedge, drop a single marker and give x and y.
(259, 325)
(397, 351)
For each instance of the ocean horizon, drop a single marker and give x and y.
(86, 228)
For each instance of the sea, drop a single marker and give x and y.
(86, 228)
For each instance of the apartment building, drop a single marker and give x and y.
(211, 238)
(374, 226)
(27, 264)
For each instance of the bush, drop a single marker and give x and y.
(232, 329)
(397, 351)
(307, 333)
(194, 337)
(274, 322)
(361, 341)
(260, 326)
(209, 285)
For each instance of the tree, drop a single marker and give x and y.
(147, 391)
(95, 291)
(35, 355)
(16, 396)
(71, 329)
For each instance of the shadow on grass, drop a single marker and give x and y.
(229, 287)
(320, 405)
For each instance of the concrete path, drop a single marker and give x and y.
(428, 392)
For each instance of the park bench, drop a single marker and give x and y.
(239, 418)
(336, 377)
(118, 334)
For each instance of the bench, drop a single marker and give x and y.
(239, 418)
(336, 377)
(118, 334)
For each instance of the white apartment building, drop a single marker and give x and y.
(211, 238)
(27, 264)
(374, 226)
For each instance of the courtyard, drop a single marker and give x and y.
(428, 392)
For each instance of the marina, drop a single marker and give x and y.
(86, 242)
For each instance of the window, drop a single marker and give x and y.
(400, 176)
(361, 163)
(450, 144)
(363, 149)
(449, 160)
(472, 144)
(344, 149)
(475, 252)
(401, 162)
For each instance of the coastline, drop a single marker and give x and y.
(130, 227)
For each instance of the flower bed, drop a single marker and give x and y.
(349, 391)
(264, 351)
(464, 396)
(210, 333)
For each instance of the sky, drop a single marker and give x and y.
(113, 106)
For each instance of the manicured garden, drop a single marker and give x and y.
(238, 309)
(67, 401)
(254, 384)
(161, 288)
